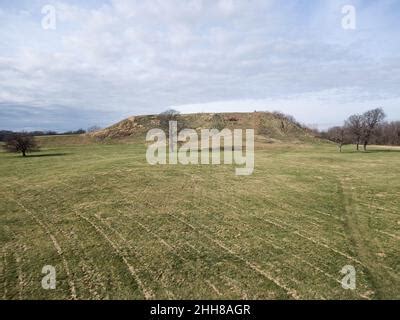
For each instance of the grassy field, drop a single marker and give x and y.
(115, 227)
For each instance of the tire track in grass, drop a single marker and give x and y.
(391, 212)
(120, 236)
(3, 271)
(151, 205)
(316, 268)
(174, 251)
(213, 287)
(297, 200)
(289, 265)
(284, 186)
(280, 207)
(170, 247)
(240, 247)
(385, 214)
(241, 230)
(388, 234)
(293, 267)
(328, 215)
(290, 292)
(280, 224)
(125, 194)
(18, 261)
(392, 272)
(327, 274)
(21, 284)
(10, 271)
(297, 232)
(355, 232)
(192, 247)
(233, 284)
(148, 294)
(208, 282)
(361, 220)
(293, 255)
(336, 251)
(56, 246)
(313, 266)
(321, 271)
(169, 293)
(88, 270)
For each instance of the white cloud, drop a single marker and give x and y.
(321, 109)
(142, 56)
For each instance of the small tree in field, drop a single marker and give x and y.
(21, 142)
(354, 126)
(371, 119)
(338, 135)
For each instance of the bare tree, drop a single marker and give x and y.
(93, 129)
(167, 116)
(371, 119)
(218, 122)
(338, 135)
(392, 131)
(354, 126)
(21, 142)
(368, 128)
(387, 133)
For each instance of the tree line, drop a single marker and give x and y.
(365, 129)
(24, 142)
(5, 134)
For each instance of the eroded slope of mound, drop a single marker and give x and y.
(270, 126)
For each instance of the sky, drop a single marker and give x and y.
(102, 61)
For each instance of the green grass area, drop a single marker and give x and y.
(115, 227)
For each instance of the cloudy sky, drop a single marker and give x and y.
(106, 60)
